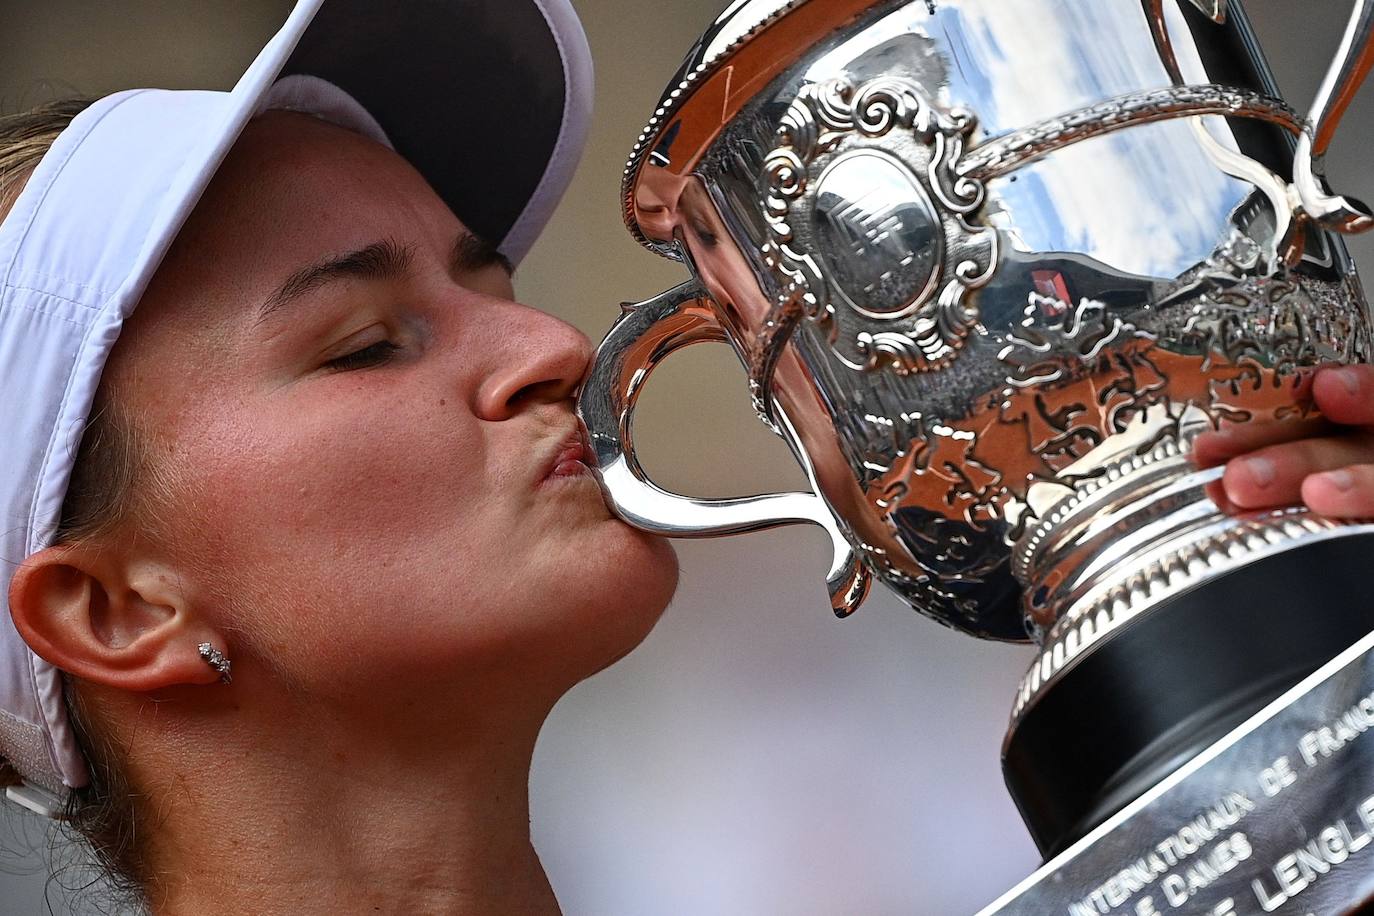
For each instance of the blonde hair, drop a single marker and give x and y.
(25, 138)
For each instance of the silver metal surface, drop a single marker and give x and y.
(991, 267)
(1348, 72)
(646, 334)
(870, 232)
(741, 20)
(1277, 817)
(977, 257)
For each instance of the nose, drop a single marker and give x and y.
(535, 359)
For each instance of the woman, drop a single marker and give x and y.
(329, 448)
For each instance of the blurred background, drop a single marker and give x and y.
(755, 756)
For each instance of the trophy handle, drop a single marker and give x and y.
(1353, 63)
(644, 336)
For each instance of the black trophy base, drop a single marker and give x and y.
(1178, 679)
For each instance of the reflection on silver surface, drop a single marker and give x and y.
(924, 256)
(1353, 62)
(991, 267)
(644, 336)
(976, 255)
(880, 240)
(1277, 817)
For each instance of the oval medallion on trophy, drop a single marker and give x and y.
(879, 238)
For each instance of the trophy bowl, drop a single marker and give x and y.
(991, 266)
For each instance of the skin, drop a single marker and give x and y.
(1327, 464)
(376, 543)
(353, 500)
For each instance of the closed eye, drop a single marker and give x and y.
(373, 355)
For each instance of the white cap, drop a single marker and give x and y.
(499, 89)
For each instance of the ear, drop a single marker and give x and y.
(109, 620)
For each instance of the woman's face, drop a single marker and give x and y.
(364, 440)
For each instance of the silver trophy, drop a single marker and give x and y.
(991, 267)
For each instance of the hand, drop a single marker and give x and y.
(1325, 463)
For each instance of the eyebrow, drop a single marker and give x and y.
(472, 252)
(383, 260)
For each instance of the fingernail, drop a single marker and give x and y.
(1219, 499)
(1350, 379)
(1261, 471)
(1341, 480)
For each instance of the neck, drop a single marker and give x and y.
(307, 819)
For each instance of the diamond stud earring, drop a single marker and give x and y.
(217, 660)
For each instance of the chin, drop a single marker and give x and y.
(626, 592)
(641, 576)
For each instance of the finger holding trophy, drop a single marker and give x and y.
(1049, 300)
(1328, 465)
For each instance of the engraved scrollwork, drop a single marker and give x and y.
(867, 213)
(1049, 355)
(1275, 323)
(1041, 353)
(980, 443)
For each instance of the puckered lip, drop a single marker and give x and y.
(570, 458)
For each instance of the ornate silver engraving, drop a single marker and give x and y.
(1089, 493)
(1161, 276)
(1043, 353)
(1111, 538)
(870, 236)
(1275, 323)
(1095, 402)
(996, 424)
(1050, 355)
(881, 241)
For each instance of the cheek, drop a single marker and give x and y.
(384, 532)
(320, 502)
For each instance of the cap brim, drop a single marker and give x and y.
(488, 99)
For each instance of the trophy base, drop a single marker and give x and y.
(1180, 677)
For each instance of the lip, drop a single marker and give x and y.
(570, 459)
